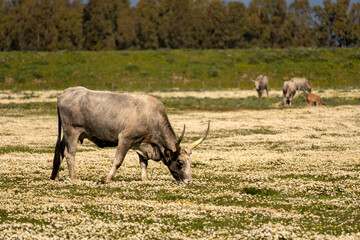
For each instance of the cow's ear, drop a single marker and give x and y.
(169, 154)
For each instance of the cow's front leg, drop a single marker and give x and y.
(143, 166)
(123, 147)
(259, 93)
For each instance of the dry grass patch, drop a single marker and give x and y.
(279, 173)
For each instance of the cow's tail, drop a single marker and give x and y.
(58, 152)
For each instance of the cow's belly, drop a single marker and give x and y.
(99, 142)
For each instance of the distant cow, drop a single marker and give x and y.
(261, 83)
(301, 84)
(289, 90)
(128, 121)
(312, 98)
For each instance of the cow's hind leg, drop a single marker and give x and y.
(123, 147)
(71, 138)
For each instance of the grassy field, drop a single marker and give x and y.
(262, 173)
(178, 69)
(44, 102)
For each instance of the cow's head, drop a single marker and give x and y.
(179, 162)
(257, 84)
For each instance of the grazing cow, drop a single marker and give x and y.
(128, 121)
(289, 90)
(261, 83)
(312, 98)
(301, 84)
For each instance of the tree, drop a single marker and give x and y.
(147, 21)
(275, 12)
(300, 23)
(334, 20)
(97, 28)
(68, 22)
(235, 16)
(341, 28)
(46, 29)
(124, 25)
(355, 24)
(216, 27)
(321, 27)
(5, 41)
(23, 34)
(177, 19)
(108, 25)
(257, 29)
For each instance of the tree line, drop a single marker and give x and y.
(49, 25)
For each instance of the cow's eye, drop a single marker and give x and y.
(180, 164)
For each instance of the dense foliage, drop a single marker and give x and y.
(152, 24)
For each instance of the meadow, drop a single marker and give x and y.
(167, 70)
(265, 172)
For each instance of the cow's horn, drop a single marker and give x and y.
(181, 137)
(194, 144)
(253, 80)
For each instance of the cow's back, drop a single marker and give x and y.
(288, 88)
(301, 84)
(106, 114)
(262, 80)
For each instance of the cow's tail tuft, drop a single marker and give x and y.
(57, 154)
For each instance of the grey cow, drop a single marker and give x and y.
(128, 121)
(301, 84)
(289, 90)
(261, 83)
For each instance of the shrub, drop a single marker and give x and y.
(37, 74)
(20, 79)
(131, 67)
(349, 65)
(213, 73)
(253, 60)
(41, 62)
(355, 56)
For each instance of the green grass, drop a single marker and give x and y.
(31, 108)
(175, 104)
(23, 149)
(26, 149)
(185, 69)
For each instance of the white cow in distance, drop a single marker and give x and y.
(301, 84)
(261, 83)
(289, 90)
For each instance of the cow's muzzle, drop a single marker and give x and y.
(187, 181)
(180, 179)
